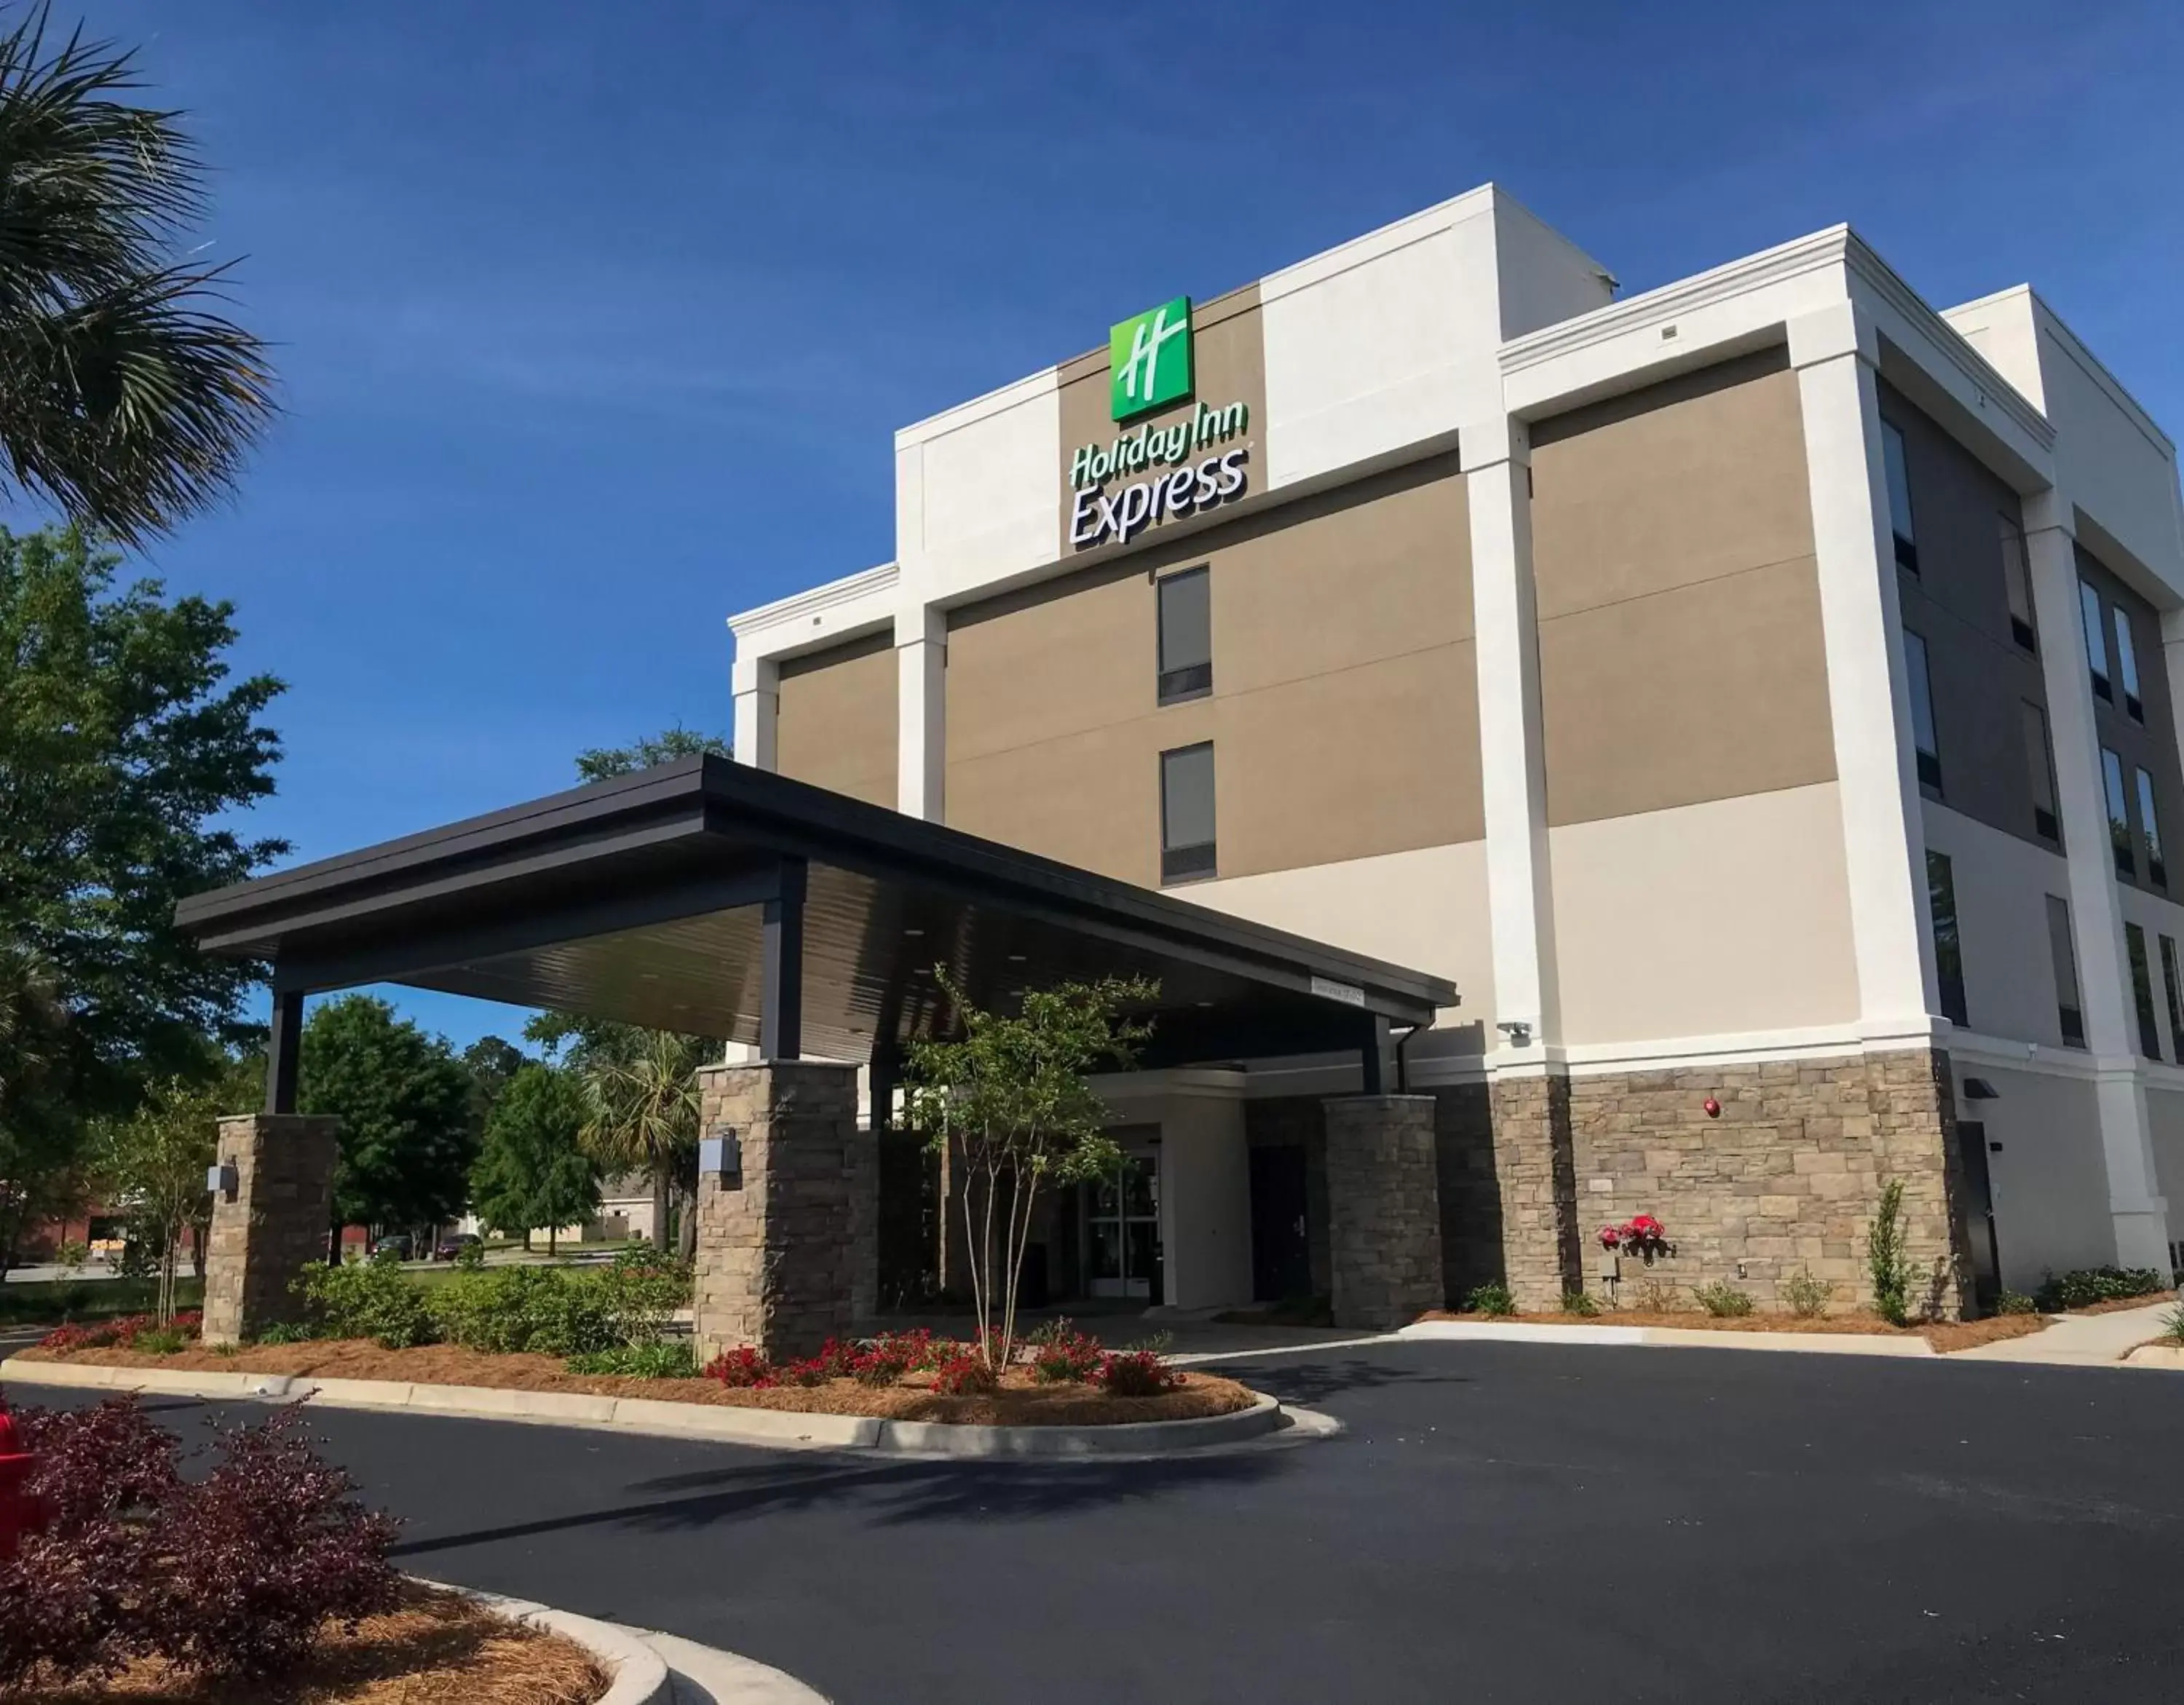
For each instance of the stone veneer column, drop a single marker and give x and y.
(1911, 1095)
(1542, 1257)
(776, 1265)
(278, 1220)
(1383, 1209)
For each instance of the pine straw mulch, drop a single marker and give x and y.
(438, 1649)
(1020, 1402)
(1944, 1335)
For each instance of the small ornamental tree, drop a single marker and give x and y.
(1011, 1103)
(154, 1163)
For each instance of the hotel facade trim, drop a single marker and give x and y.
(1758, 694)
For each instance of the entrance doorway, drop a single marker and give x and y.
(1121, 1231)
(1281, 1247)
(1979, 1211)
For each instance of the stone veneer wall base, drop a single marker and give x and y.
(1383, 1209)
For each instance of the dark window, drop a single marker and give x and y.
(1948, 950)
(2096, 650)
(2119, 813)
(2017, 581)
(2171, 987)
(1187, 813)
(2068, 1008)
(1899, 497)
(2039, 767)
(2127, 666)
(1186, 636)
(2141, 991)
(1922, 712)
(2149, 832)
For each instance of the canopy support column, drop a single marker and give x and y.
(780, 997)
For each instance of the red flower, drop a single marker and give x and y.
(1611, 1237)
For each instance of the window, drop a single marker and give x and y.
(2097, 654)
(1186, 636)
(1187, 813)
(2017, 581)
(2173, 988)
(2149, 833)
(1948, 953)
(2119, 813)
(1899, 497)
(2141, 991)
(2127, 666)
(2040, 763)
(2067, 1007)
(1922, 712)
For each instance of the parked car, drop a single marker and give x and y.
(397, 1244)
(452, 1248)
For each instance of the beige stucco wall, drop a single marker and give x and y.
(1344, 712)
(2050, 1186)
(1680, 652)
(836, 722)
(1425, 908)
(1728, 916)
(2002, 882)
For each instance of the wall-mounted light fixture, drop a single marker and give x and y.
(224, 1180)
(1979, 1089)
(1518, 1030)
(720, 1156)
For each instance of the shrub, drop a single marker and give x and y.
(1578, 1302)
(743, 1367)
(1065, 1357)
(671, 1360)
(1655, 1297)
(232, 1575)
(1723, 1301)
(2172, 1325)
(1136, 1374)
(73, 1255)
(2014, 1303)
(366, 1299)
(1807, 1297)
(1890, 1272)
(284, 1332)
(160, 1340)
(965, 1374)
(886, 1358)
(470, 1257)
(2085, 1286)
(640, 1293)
(1491, 1300)
(535, 1308)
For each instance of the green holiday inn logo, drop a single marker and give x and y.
(1149, 359)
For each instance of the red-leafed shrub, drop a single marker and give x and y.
(1136, 1374)
(230, 1574)
(884, 1360)
(743, 1367)
(965, 1375)
(1065, 1356)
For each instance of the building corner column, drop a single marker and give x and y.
(271, 1215)
(1833, 351)
(2137, 1210)
(757, 681)
(921, 651)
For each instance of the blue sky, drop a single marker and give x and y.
(595, 321)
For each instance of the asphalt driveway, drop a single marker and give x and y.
(1501, 1522)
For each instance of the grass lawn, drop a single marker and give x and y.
(56, 1302)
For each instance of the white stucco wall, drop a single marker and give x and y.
(2050, 1190)
(2002, 885)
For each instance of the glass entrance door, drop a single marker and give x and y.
(1121, 1231)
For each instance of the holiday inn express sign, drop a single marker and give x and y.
(1151, 366)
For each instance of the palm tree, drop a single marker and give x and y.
(123, 399)
(641, 1096)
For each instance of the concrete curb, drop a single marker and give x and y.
(706, 1676)
(1686, 1337)
(769, 1428)
(640, 1672)
(2169, 1356)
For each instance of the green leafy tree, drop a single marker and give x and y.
(153, 1165)
(599, 762)
(123, 397)
(491, 1063)
(407, 1141)
(532, 1170)
(124, 747)
(1012, 1102)
(39, 1130)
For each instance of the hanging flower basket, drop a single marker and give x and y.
(1642, 1235)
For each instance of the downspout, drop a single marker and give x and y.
(1403, 1057)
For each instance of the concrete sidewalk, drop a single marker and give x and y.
(2080, 1340)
